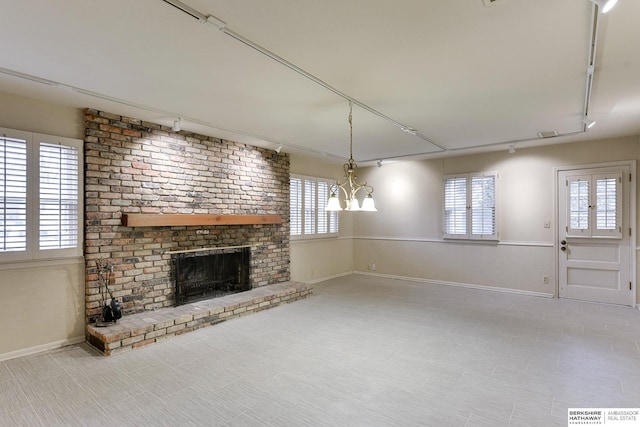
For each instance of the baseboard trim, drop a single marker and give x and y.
(335, 276)
(458, 284)
(40, 348)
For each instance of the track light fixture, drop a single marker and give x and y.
(176, 125)
(605, 6)
(588, 122)
(512, 148)
(278, 148)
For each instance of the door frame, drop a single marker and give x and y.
(632, 221)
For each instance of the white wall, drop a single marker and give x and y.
(41, 305)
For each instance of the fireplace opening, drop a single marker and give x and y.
(211, 273)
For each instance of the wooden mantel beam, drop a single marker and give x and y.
(170, 220)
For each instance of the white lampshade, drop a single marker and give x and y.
(368, 204)
(333, 205)
(354, 205)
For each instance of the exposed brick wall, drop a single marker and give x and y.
(133, 166)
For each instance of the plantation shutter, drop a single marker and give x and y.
(323, 215)
(483, 205)
(333, 222)
(579, 201)
(594, 205)
(608, 217)
(309, 206)
(470, 206)
(13, 200)
(308, 201)
(455, 206)
(295, 210)
(58, 221)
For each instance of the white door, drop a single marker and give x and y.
(594, 248)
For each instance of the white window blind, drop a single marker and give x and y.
(41, 196)
(58, 196)
(579, 204)
(308, 201)
(295, 206)
(593, 205)
(310, 206)
(606, 203)
(455, 206)
(323, 215)
(13, 186)
(483, 205)
(470, 206)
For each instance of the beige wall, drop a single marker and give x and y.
(41, 307)
(405, 238)
(41, 304)
(17, 112)
(318, 259)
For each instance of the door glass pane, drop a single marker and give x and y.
(579, 205)
(606, 203)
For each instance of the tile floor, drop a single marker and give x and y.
(362, 351)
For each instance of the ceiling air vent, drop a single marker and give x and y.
(547, 134)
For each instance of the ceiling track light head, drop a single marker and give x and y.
(512, 148)
(218, 23)
(409, 130)
(176, 125)
(605, 6)
(589, 123)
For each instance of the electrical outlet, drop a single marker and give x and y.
(547, 224)
(372, 266)
(545, 279)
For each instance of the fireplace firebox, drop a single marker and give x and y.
(210, 273)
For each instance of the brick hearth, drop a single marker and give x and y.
(149, 327)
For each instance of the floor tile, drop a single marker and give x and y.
(362, 351)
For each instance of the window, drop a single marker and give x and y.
(308, 200)
(470, 208)
(593, 205)
(40, 196)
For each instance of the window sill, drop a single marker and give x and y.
(467, 240)
(313, 238)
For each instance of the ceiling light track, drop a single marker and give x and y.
(188, 10)
(591, 64)
(28, 77)
(222, 26)
(472, 147)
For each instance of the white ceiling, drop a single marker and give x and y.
(466, 76)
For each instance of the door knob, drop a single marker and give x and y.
(564, 242)
(563, 248)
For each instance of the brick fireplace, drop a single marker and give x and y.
(137, 167)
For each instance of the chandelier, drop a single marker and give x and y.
(350, 185)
